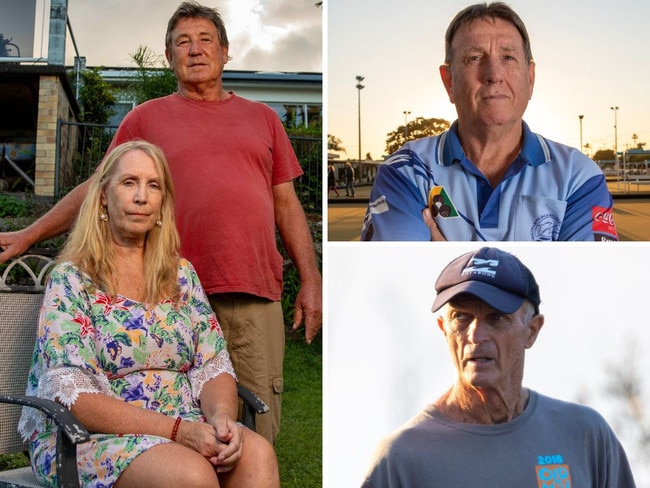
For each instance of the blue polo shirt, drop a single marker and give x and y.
(550, 192)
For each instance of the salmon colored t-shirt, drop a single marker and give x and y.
(224, 157)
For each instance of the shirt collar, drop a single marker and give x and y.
(534, 150)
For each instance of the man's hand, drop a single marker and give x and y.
(436, 235)
(54, 223)
(309, 308)
(13, 244)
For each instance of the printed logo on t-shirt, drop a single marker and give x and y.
(552, 472)
(440, 203)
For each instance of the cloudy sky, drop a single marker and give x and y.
(265, 35)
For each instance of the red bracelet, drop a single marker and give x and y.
(175, 429)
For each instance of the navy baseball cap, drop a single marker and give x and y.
(496, 277)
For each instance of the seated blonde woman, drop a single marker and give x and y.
(128, 342)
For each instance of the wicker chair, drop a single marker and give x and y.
(19, 307)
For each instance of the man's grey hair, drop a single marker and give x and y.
(494, 10)
(192, 10)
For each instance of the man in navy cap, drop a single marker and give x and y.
(488, 430)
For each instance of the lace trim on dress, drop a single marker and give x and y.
(62, 385)
(213, 368)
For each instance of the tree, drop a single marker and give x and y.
(154, 78)
(637, 144)
(334, 144)
(632, 423)
(637, 158)
(96, 98)
(604, 155)
(415, 129)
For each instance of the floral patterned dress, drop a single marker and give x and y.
(156, 357)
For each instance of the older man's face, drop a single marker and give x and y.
(489, 80)
(488, 346)
(196, 55)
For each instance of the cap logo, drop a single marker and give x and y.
(483, 267)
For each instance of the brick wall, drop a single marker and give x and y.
(53, 104)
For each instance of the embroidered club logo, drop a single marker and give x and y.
(546, 228)
(440, 203)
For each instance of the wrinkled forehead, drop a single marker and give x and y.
(186, 25)
(136, 162)
(485, 30)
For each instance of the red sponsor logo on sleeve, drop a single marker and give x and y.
(603, 221)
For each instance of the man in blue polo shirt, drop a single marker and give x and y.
(489, 177)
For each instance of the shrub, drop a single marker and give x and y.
(12, 206)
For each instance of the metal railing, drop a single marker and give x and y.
(82, 146)
(309, 186)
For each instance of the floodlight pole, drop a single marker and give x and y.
(359, 88)
(581, 117)
(406, 128)
(615, 109)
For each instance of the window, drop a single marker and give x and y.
(297, 115)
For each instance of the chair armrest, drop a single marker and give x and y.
(252, 405)
(70, 432)
(65, 419)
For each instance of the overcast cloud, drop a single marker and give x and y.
(265, 35)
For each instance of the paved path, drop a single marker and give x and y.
(345, 215)
(631, 214)
(632, 217)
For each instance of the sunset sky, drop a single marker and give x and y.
(590, 55)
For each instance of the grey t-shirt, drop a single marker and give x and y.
(552, 444)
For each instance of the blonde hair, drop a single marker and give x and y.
(89, 248)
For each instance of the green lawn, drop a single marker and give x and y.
(299, 445)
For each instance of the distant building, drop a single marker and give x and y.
(34, 99)
(296, 97)
(365, 171)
